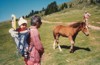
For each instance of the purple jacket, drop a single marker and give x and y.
(35, 45)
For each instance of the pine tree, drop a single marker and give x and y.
(98, 1)
(51, 8)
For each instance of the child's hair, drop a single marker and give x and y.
(35, 19)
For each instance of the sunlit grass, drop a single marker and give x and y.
(87, 47)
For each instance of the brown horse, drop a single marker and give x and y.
(69, 31)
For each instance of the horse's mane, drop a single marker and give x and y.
(77, 24)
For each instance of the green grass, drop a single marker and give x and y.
(88, 48)
(88, 54)
(8, 54)
(64, 16)
(73, 15)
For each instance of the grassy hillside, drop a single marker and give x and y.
(73, 14)
(7, 47)
(87, 48)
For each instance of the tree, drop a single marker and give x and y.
(92, 2)
(63, 6)
(51, 8)
(43, 9)
(36, 12)
(80, 1)
(98, 1)
(30, 14)
(70, 5)
(26, 16)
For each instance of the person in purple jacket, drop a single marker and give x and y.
(36, 48)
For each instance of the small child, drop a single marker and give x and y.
(21, 37)
(86, 17)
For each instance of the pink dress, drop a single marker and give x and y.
(36, 48)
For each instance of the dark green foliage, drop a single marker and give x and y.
(98, 1)
(92, 2)
(63, 6)
(80, 1)
(32, 13)
(43, 9)
(51, 8)
(70, 5)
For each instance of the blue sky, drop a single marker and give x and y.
(22, 7)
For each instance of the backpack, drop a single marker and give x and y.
(20, 39)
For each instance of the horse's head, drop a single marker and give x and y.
(84, 28)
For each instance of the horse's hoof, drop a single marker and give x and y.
(60, 50)
(71, 51)
(54, 48)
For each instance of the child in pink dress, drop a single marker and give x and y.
(86, 17)
(36, 48)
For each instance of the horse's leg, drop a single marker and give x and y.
(59, 46)
(54, 44)
(72, 44)
(57, 41)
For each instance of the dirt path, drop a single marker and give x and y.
(90, 26)
(50, 22)
(94, 27)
